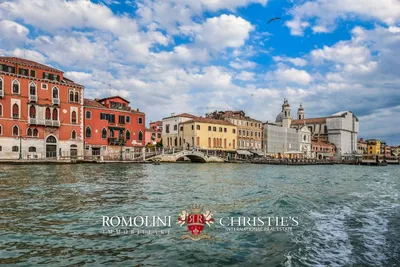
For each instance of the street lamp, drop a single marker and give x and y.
(20, 145)
(121, 143)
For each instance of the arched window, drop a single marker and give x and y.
(55, 92)
(76, 97)
(128, 135)
(15, 149)
(209, 128)
(29, 132)
(51, 139)
(140, 120)
(240, 132)
(32, 112)
(214, 129)
(35, 132)
(140, 136)
(1, 110)
(88, 132)
(15, 110)
(175, 127)
(32, 89)
(73, 116)
(71, 96)
(48, 114)
(1, 130)
(198, 141)
(198, 127)
(73, 134)
(209, 142)
(234, 131)
(32, 149)
(55, 115)
(15, 130)
(225, 143)
(15, 87)
(104, 133)
(325, 129)
(220, 129)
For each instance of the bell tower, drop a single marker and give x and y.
(286, 117)
(300, 113)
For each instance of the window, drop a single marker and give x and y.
(175, 127)
(23, 71)
(71, 96)
(76, 97)
(32, 149)
(55, 115)
(73, 117)
(1, 110)
(88, 115)
(32, 112)
(35, 132)
(1, 83)
(167, 128)
(15, 149)
(88, 132)
(159, 135)
(29, 132)
(220, 129)
(1, 130)
(32, 89)
(48, 114)
(44, 86)
(240, 132)
(325, 129)
(128, 119)
(233, 131)
(15, 130)
(121, 119)
(192, 127)
(1, 148)
(140, 136)
(140, 121)
(55, 92)
(112, 133)
(225, 130)
(33, 73)
(111, 118)
(104, 133)
(73, 134)
(181, 128)
(198, 127)
(15, 87)
(209, 128)
(45, 75)
(214, 129)
(15, 111)
(128, 135)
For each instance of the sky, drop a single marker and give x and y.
(173, 56)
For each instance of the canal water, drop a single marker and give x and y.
(53, 214)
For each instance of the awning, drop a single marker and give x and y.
(294, 152)
(260, 153)
(243, 152)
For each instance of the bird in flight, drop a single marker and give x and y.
(273, 19)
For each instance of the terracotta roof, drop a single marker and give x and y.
(110, 97)
(185, 115)
(70, 82)
(30, 63)
(92, 103)
(212, 121)
(309, 121)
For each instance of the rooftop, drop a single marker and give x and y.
(29, 63)
(111, 97)
(185, 115)
(308, 121)
(211, 121)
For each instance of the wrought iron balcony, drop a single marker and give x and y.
(56, 101)
(116, 141)
(33, 98)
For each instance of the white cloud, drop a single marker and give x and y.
(221, 32)
(246, 76)
(297, 61)
(326, 12)
(12, 33)
(290, 75)
(242, 64)
(342, 52)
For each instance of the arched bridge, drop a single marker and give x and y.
(194, 156)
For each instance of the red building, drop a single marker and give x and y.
(155, 132)
(111, 125)
(323, 149)
(40, 111)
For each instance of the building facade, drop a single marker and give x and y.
(156, 129)
(41, 111)
(112, 126)
(323, 150)
(340, 129)
(249, 132)
(362, 147)
(170, 130)
(208, 134)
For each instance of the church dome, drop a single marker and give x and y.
(279, 117)
(301, 107)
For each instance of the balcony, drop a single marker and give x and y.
(116, 141)
(48, 123)
(33, 98)
(56, 101)
(1, 93)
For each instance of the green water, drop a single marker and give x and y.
(52, 215)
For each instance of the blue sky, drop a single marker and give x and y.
(171, 56)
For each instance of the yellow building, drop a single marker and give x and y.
(209, 134)
(373, 147)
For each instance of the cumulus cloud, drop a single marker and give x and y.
(290, 76)
(12, 33)
(297, 61)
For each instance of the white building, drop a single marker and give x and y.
(170, 130)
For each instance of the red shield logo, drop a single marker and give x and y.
(196, 221)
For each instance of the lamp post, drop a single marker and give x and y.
(20, 145)
(121, 143)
